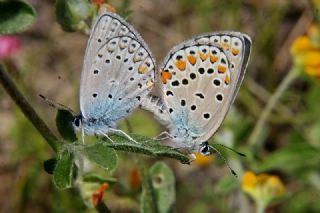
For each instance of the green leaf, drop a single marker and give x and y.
(148, 197)
(147, 146)
(303, 200)
(295, 158)
(49, 165)
(62, 174)
(71, 14)
(93, 178)
(15, 16)
(163, 184)
(64, 120)
(101, 154)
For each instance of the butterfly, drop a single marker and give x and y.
(118, 73)
(199, 81)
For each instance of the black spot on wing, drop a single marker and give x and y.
(219, 97)
(169, 93)
(200, 95)
(175, 83)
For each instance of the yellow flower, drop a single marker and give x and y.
(312, 63)
(203, 160)
(316, 3)
(300, 45)
(263, 188)
(305, 51)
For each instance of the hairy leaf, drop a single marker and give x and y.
(147, 146)
(101, 154)
(62, 174)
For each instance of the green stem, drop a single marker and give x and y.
(129, 126)
(27, 109)
(253, 139)
(261, 207)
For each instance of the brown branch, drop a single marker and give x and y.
(27, 109)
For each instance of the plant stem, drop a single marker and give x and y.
(27, 109)
(102, 208)
(253, 139)
(129, 126)
(261, 207)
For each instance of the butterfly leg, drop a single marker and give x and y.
(82, 132)
(107, 136)
(119, 132)
(163, 136)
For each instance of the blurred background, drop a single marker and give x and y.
(281, 171)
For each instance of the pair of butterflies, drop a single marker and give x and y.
(199, 80)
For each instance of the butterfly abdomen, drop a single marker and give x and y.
(155, 105)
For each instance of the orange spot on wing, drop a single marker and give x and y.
(165, 76)
(192, 59)
(143, 69)
(225, 46)
(235, 51)
(222, 69)
(213, 58)
(181, 64)
(203, 56)
(227, 80)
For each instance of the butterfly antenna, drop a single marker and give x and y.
(55, 104)
(226, 147)
(225, 161)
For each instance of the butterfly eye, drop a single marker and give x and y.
(205, 149)
(77, 121)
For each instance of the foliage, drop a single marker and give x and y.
(15, 16)
(71, 14)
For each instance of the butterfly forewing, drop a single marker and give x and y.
(200, 79)
(118, 70)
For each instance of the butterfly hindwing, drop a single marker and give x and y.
(118, 70)
(200, 79)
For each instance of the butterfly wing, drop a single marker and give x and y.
(118, 70)
(200, 79)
